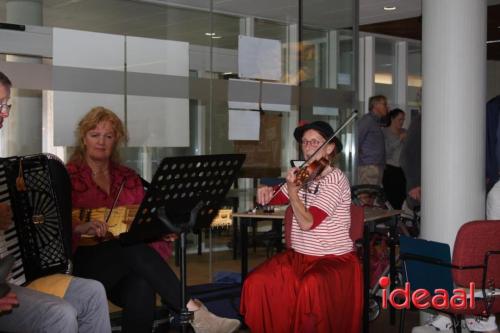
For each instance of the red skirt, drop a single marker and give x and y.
(293, 292)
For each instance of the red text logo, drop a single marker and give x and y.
(401, 298)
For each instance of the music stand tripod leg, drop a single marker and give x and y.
(182, 186)
(186, 316)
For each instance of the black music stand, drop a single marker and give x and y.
(185, 194)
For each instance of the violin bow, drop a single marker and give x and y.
(353, 115)
(115, 201)
(351, 118)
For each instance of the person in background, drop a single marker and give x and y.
(410, 160)
(82, 305)
(316, 285)
(492, 142)
(394, 181)
(493, 202)
(370, 142)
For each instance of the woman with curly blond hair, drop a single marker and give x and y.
(132, 275)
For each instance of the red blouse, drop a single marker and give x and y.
(87, 194)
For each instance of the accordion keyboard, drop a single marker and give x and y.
(9, 245)
(9, 242)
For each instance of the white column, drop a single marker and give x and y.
(22, 133)
(361, 74)
(290, 120)
(146, 160)
(453, 117)
(48, 127)
(402, 80)
(401, 74)
(292, 61)
(333, 58)
(247, 26)
(366, 71)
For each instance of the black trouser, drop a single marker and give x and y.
(131, 275)
(394, 183)
(138, 300)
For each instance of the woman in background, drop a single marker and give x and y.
(394, 181)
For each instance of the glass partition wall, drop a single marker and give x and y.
(179, 73)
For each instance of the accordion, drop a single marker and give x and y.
(38, 189)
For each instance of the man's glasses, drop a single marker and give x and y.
(313, 143)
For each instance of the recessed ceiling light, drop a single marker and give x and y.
(209, 33)
(216, 37)
(389, 8)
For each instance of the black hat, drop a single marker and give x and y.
(323, 128)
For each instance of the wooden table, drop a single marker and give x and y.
(373, 216)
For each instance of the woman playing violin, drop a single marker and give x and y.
(131, 275)
(315, 285)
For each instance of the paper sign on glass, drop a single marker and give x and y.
(259, 58)
(244, 125)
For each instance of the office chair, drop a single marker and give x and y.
(357, 225)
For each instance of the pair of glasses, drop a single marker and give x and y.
(312, 143)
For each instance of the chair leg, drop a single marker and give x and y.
(456, 322)
(403, 229)
(402, 321)
(200, 240)
(254, 236)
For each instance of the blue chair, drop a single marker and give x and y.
(425, 265)
(476, 259)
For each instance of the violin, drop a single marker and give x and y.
(311, 171)
(104, 215)
(118, 220)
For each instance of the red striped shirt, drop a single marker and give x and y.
(328, 199)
